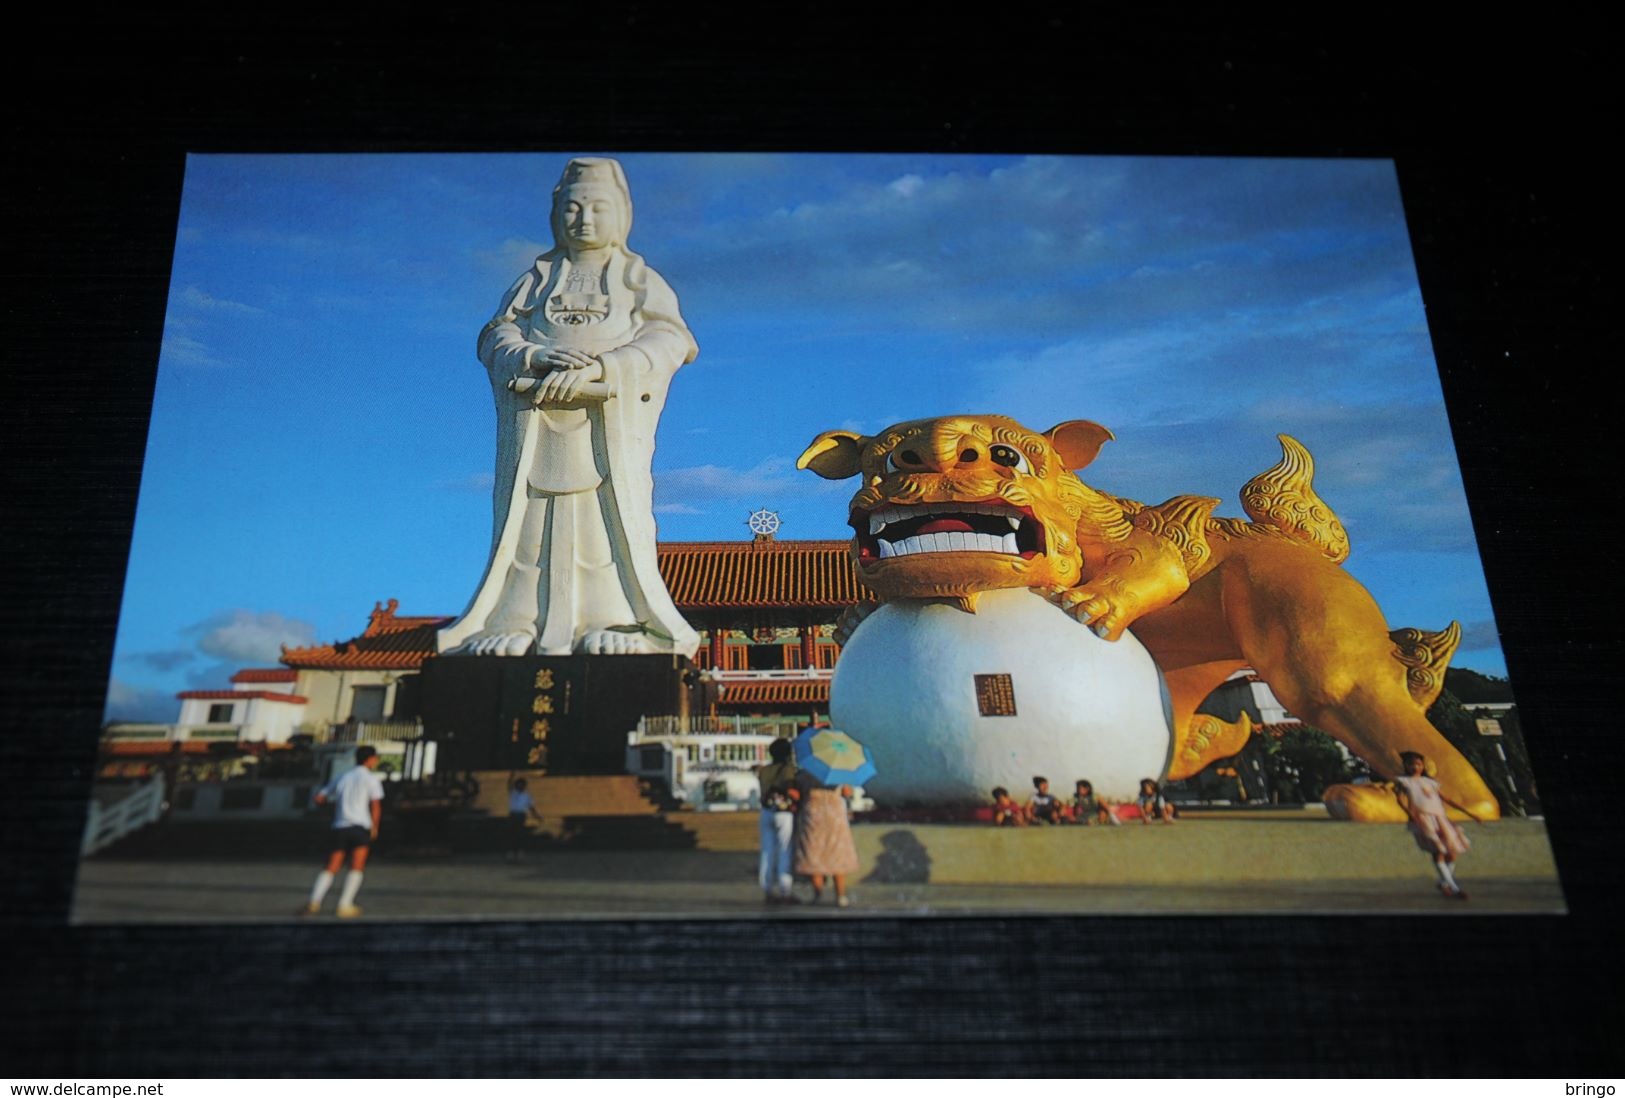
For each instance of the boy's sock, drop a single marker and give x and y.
(1447, 871)
(352, 885)
(324, 881)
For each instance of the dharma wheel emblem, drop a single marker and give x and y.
(763, 523)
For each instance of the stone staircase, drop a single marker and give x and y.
(561, 798)
(720, 831)
(612, 811)
(593, 812)
(625, 833)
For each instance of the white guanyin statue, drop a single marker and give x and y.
(580, 354)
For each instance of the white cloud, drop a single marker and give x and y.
(243, 636)
(127, 702)
(906, 186)
(677, 509)
(181, 350)
(167, 660)
(769, 481)
(195, 298)
(1479, 635)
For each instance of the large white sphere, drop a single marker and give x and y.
(1085, 708)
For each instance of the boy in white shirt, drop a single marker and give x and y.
(357, 797)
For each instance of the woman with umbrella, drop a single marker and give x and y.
(830, 764)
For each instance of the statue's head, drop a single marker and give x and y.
(592, 207)
(955, 506)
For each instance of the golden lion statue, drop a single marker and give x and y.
(952, 507)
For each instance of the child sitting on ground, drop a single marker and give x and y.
(1090, 809)
(1153, 805)
(1006, 812)
(1043, 808)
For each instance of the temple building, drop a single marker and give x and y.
(766, 613)
(765, 610)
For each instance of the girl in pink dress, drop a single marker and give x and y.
(1434, 831)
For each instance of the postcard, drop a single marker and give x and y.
(609, 535)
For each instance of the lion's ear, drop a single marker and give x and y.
(1078, 441)
(834, 455)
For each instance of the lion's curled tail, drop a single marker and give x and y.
(1283, 499)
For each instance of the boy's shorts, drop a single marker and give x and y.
(346, 839)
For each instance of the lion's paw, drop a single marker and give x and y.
(1089, 607)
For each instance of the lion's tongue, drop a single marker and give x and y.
(945, 526)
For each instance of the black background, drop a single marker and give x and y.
(1498, 135)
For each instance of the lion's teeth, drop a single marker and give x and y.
(1014, 521)
(886, 550)
(1008, 544)
(876, 523)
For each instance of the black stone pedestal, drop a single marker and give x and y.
(561, 714)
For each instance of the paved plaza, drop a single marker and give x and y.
(1282, 866)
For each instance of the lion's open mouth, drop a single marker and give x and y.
(902, 530)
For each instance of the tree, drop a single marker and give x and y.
(1460, 727)
(1303, 761)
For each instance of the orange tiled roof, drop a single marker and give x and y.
(793, 692)
(704, 574)
(233, 695)
(390, 643)
(699, 574)
(156, 747)
(266, 674)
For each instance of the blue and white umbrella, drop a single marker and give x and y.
(833, 757)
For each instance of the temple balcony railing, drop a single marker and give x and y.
(667, 727)
(359, 732)
(777, 674)
(131, 732)
(209, 733)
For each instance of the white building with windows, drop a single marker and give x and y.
(260, 707)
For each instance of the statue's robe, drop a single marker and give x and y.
(578, 477)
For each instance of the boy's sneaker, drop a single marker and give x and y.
(348, 911)
(310, 909)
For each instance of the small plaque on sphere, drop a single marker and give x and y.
(995, 695)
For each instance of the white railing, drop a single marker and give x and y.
(777, 674)
(699, 725)
(376, 732)
(221, 733)
(108, 824)
(131, 732)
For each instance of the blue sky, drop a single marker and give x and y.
(322, 435)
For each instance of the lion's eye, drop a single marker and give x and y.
(1009, 457)
(902, 460)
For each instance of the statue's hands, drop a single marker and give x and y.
(560, 386)
(566, 358)
(570, 370)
